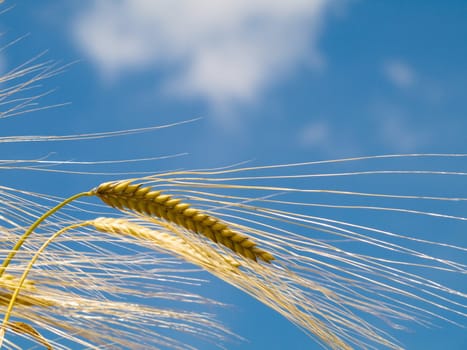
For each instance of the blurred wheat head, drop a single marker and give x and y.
(77, 272)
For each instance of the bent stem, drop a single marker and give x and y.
(23, 238)
(28, 269)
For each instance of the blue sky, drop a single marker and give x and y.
(273, 81)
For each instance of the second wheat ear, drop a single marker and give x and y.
(146, 201)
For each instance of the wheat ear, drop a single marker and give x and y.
(144, 200)
(161, 239)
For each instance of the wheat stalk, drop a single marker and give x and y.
(126, 195)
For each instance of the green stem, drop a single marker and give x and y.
(26, 272)
(23, 238)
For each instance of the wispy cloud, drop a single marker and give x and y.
(398, 135)
(398, 129)
(315, 134)
(399, 73)
(321, 136)
(223, 52)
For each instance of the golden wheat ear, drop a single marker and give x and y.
(144, 200)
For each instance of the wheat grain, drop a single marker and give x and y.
(126, 195)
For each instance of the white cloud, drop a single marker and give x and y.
(223, 52)
(399, 73)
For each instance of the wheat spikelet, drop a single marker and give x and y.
(162, 239)
(24, 328)
(126, 195)
(8, 283)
